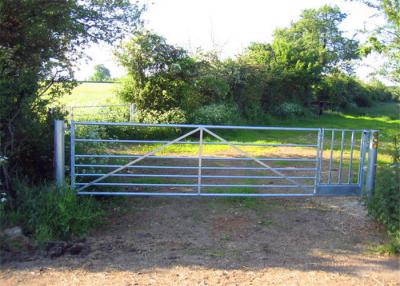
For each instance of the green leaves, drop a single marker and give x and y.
(385, 203)
(40, 42)
(385, 39)
(317, 41)
(163, 77)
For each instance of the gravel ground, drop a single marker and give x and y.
(202, 241)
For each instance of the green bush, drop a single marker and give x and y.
(362, 100)
(384, 205)
(160, 75)
(290, 110)
(47, 213)
(173, 115)
(217, 114)
(110, 113)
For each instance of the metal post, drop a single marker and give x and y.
(361, 168)
(200, 158)
(72, 153)
(131, 111)
(350, 175)
(341, 159)
(59, 152)
(372, 159)
(331, 155)
(319, 159)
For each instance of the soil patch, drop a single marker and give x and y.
(204, 241)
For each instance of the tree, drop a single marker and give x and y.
(315, 42)
(301, 55)
(386, 38)
(39, 43)
(160, 75)
(210, 80)
(101, 73)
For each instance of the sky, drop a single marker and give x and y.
(229, 26)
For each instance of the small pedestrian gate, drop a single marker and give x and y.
(205, 160)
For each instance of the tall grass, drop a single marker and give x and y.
(49, 213)
(385, 203)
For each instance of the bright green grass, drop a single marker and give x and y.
(92, 94)
(390, 110)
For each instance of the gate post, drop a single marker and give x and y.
(372, 162)
(59, 152)
(131, 112)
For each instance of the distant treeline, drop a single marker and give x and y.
(308, 62)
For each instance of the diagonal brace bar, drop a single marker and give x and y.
(138, 159)
(255, 159)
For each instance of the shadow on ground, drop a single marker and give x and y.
(330, 235)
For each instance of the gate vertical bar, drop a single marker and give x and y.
(350, 175)
(330, 158)
(200, 161)
(372, 158)
(361, 170)
(341, 159)
(59, 152)
(319, 158)
(72, 154)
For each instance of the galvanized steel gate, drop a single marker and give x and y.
(320, 165)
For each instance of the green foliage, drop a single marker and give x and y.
(111, 113)
(290, 110)
(101, 73)
(217, 114)
(292, 67)
(35, 159)
(318, 31)
(385, 39)
(343, 90)
(174, 115)
(247, 86)
(39, 44)
(48, 213)
(384, 206)
(309, 61)
(210, 80)
(159, 74)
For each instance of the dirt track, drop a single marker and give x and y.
(200, 241)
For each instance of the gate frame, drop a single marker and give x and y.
(320, 189)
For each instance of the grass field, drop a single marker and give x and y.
(92, 94)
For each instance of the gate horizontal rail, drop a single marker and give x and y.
(194, 126)
(189, 142)
(188, 158)
(192, 167)
(191, 176)
(339, 171)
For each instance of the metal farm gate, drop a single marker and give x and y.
(109, 158)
